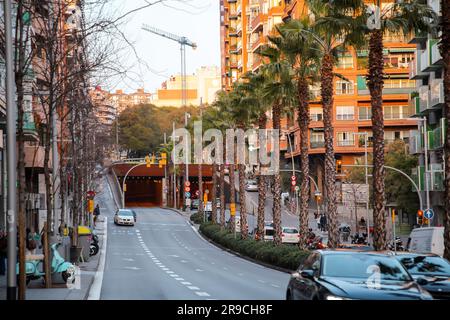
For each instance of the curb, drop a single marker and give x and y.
(177, 211)
(261, 263)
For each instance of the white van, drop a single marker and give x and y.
(427, 240)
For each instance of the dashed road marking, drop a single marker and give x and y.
(202, 294)
(193, 287)
(186, 283)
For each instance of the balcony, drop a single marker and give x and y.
(345, 143)
(437, 175)
(437, 93)
(415, 142)
(424, 98)
(257, 43)
(414, 103)
(418, 37)
(317, 144)
(430, 58)
(418, 175)
(436, 57)
(414, 69)
(258, 22)
(232, 32)
(436, 137)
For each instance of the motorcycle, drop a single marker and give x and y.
(359, 239)
(94, 247)
(34, 269)
(398, 245)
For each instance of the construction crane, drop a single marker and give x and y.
(183, 41)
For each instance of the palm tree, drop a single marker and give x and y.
(445, 52)
(279, 87)
(303, 53)
(253, 88)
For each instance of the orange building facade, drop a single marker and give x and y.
(351, 112)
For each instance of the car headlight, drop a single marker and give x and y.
(331, 297)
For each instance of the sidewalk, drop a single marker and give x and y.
(80, 290)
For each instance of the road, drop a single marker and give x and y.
(163, 257)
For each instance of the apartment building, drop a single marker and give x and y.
(104, 108)
(427, 102)
(122, 100)
(201, 87)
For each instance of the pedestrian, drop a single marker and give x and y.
(96, 213)
(325, 226)
(318, 222)
(322, 222)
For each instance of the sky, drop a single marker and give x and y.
(198, 20)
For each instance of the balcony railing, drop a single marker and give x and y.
(414, 103)
(415, 69)
(415, 143)
(436, 57)
(437, 93)
(346, 143)
(317, 144)
(424, 96)
(437, 177)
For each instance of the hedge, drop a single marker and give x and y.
(197, 218)
(284, 256)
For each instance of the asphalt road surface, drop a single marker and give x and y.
(162, 257)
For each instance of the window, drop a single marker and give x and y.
(399, 83)
(365, 113)
(316, 114)
(345, 113)
(346, 139)
(345, 62)
(317, 140)
(345, 87)
(398, 60)
(397, 112)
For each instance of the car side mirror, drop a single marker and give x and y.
(422, 281)
(308, 274)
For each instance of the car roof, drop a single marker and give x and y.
(352, 251)
(416, 254)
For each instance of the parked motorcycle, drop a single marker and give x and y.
(398, 245)
(359, 238)
(35, 269)
(94, 247)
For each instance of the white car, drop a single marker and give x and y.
(124, 217)
(289, 235)
(251, 186)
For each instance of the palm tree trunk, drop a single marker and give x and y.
(200, 190)
(242, 200)
(232, 195)
(330, 161)
(222, 195)
(214, 194)
(445, 52)
(262, 187)
(276, 122)
(375, 84)
(303, 123)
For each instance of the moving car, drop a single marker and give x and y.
(251, 186)
(125, 217)
(290, 235)
(427, 240)
(195, 204)
(353, 275)
(430, 271)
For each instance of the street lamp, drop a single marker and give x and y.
(427, 171)
(186, 117)
(366, 168)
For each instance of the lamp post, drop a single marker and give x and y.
(186, 117)
(366, 138)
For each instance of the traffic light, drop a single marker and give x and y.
(147, 161)
(394, 213)
(164, 158)
(339, 166)
(420, 217)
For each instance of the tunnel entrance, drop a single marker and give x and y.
(144, 192)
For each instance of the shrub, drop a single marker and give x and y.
(197, 218)
(284, 256)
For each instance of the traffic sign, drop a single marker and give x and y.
(297, 188)
(293, 178)
(187, 183)
(187, 194)
(197, 192)
(187, 189)
(294, 183)
(429, 214)
(207, 191)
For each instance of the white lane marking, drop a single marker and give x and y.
(174, 275)
(183, 261)
(132, 268)
(170, 272)
(179, 279)
(199, 270)
(202, 294)
(261, 281)
(128, 259)
(164, 268)
(225, 268)
(193, 287)
(96, 288)
(274, 285)
(186, 283)
(174, 256)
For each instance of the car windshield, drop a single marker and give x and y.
(251, 182)
(268, 224)
(426, 265)
(269, 232)
(363, 266)
(125, 213)
(290, 230)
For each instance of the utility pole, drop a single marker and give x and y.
(11, 291)
(174, 169)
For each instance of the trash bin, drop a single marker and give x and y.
(84, 241)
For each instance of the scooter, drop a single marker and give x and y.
(34, 269)
(94, 247)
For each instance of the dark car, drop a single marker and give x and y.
(353, 275)
(431, 271)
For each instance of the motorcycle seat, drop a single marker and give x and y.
(30, 257)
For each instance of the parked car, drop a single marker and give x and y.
(353, 275)
(430, 271)
(290, 235)
(426, 240)
(251, 186)
(124, 217)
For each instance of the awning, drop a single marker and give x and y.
(397, 50)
